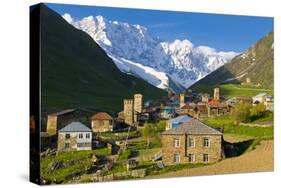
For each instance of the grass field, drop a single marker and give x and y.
(65, 165)
(231, 90)
(227, 125)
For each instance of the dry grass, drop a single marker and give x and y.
(258, 160)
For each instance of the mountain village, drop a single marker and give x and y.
(115, 103)
(145, 138)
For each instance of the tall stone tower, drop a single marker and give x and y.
(181, 100)
(129, 111)
(248, 80)
(216, 94)
(205, 98)
(138, 103)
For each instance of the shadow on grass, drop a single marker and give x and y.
(236, 149)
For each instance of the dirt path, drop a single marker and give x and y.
(260, 159)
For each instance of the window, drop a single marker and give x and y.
(191, 142)
(67, 136)
(177, 142)
(87, 135)
(205, 157)
(80, 135)
(66, 146)
(191, 157)
(176, 158)
(110, 122)
(206, 142)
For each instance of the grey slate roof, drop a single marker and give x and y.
(75, 127)
(193, 126)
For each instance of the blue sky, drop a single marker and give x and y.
(223, 32)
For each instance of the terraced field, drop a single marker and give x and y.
(258, 160)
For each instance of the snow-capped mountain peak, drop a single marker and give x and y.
(175, 65)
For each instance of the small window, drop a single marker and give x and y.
(191, 157)
(110, 122)
(80, 135)
(177, 142)
(87, 135)
(67, 136)
(176, 158)
(205, 157)
(191, 142)
(66, 146)
(206, 142)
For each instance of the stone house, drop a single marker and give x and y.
(188, 109)
(74, 137)
(58, 120)
(269, 103)
(191, 142)
(202, 110)
(216, 108)
(260, 98)
(242, 99)
(102, 122)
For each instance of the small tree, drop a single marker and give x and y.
(258, 111)
(242, 113)
(148, 132)
(161, 126)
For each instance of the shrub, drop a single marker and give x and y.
(242, 113)
(128, 153)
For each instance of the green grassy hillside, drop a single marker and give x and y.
(232, 90)
(256, 63)
(76, 72)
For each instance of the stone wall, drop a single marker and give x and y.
(139, 173)
(168, 148)
(62, 141)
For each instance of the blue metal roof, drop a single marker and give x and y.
(75, 127)
(168, 110)
(180, 119)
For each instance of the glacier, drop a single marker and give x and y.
(172, 65)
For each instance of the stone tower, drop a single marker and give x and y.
(216, 94)
(129, 111)
(181, 100)
(138, 103)
(205, 98)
